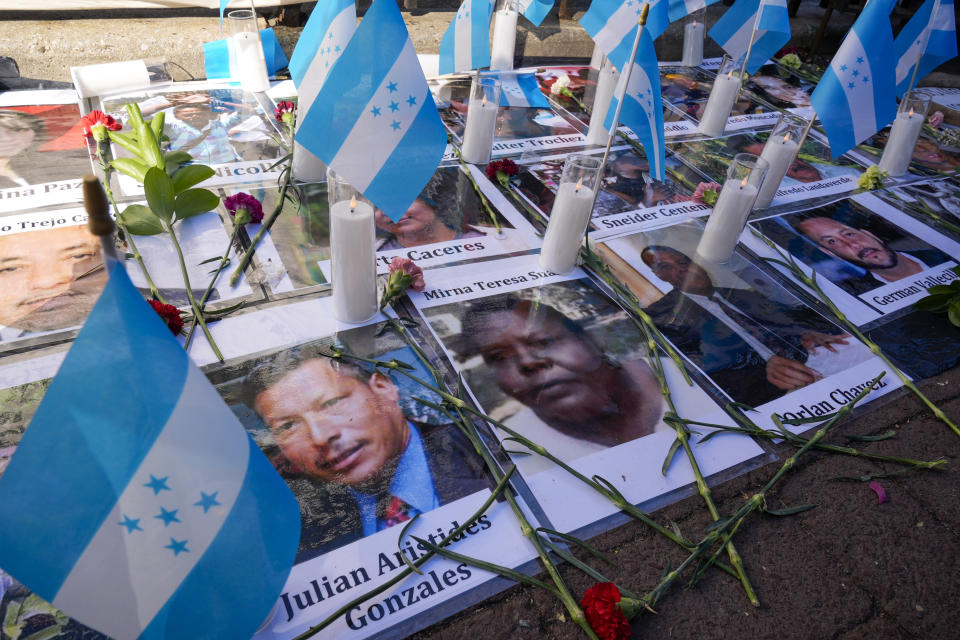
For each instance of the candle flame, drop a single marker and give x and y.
(483, 103)
(730, 74)
(786, 137)
(744, 183)
(353, 203)
(579, 184)
(911, 112)
(694, 23)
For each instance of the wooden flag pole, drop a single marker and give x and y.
(99, 221)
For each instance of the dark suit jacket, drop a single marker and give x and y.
(732, 363)
(330, 514)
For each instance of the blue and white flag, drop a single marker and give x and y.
(855, 97)
(466, 44)
(930, 37)
(223, 5)
(535, 10)
(321, 42)
(682, 8)
(609, 22)
(374, 121)
(642, 107)
(136, 502)
(771, 20)
(519, 89)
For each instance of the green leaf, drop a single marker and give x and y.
(136, 118)
(177, 157)
(140, 221)
(670, 454)
(225, 310)
(151, 147)
(209, 260)
(127, 141)
(940, 289)
(789, 511)
(156, 124)
(136, 169)
(159, 190)
(934, 304)
(886, 435)
(189, 176)
(194, 201)
(954, 313)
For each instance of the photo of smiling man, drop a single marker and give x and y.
(49, 280)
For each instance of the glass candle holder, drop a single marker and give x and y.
(904, 133)
(482, 109)
(726, 88)
(246, 51)
(571, 211)
(780, 151)
(352, 252)
(729, 216)
(504, 35)
(693, 40)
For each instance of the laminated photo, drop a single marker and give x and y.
(776, 85)
(555, 360)
(687, 90)
(931, 156)
(813, 174)
(758, 343)
(446, 223)
(629, 197)
(43, 153)
(870, 258)
(932, 200)
(219, 125)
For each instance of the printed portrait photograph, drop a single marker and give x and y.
(779, 87)
(812, 164)
(216, 125)
(447, 209)
(852, 247)
(750, 336)
(930, 156)
(41, 144)
(561, 364)
(580, 81)
(687, 90)
(627, 184)
(357, 449)
(513, 123)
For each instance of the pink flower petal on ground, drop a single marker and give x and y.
(881, 493)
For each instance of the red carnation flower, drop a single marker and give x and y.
(284, 113)
(506, 166)
(169, 314)
(407, 267)
(601, 604)
(96, 124)
(244, 208)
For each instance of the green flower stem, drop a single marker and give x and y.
(248, 254)
(938, 218)
(326, 622)
(756, 501)
(615, 497)
(107, 170)
(476, 187)
(197, 310)
(213, 281)
(811, 282)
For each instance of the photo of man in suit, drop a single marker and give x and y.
(346, 445)
(755, 348)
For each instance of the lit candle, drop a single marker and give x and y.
(720, 104)
(478, 134)
(568, 222)
(353, 261)
(606, 83)
(901, 142)
(247, 63)
(692, 44)
(730, 212)
(504, 37)
(779, 152)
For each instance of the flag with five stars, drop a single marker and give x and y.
(733, 30)
(679, 9)
(466, 43)
(519, 89)
(855, 97)
(931, 37)
(374, 121)
(535, 10)
(609, 22)
(136, 502)
(642, 107)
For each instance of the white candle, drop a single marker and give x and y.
(353, 261)
(478, 133)
(715, 114)
(606, 83)
(901, 142)
(247, 63)
(779, 152)
(692, 44)
(504, 40)
(568, 222)
(596, 58)
(726, 221)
